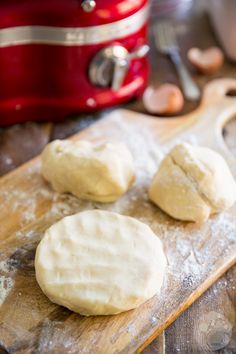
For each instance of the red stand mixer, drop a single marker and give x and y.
(61, 57)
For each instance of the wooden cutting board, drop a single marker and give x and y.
(197, 254)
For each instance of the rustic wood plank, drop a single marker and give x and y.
(158, 346)
(30, 137)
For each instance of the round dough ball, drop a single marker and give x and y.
(192, 183)
(99, 263)
(90, 171)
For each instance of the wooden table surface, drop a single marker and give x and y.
(208, 326)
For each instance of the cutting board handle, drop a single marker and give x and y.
(215, 110)
(205, 123)
(216, 91)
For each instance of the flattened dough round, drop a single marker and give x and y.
(97, 172)
(99, 263)
(192, 183)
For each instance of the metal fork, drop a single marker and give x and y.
(165, 41)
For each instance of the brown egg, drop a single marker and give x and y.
(206, 61)
(166, 99)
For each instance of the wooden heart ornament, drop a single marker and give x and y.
(206, 61)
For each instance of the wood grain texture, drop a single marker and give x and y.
(30, 323)
(158, 346)
(30, 134)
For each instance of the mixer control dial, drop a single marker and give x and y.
(109, 66)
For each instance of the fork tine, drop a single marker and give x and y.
(165, 38)
(165, 29)
(171, 35)
(166, 43)
(160, 36)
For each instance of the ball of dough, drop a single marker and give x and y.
(192, 183)
(99, 263)
(89, 171)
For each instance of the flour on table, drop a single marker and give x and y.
(6, 284)
(7, 272)
(4, 266)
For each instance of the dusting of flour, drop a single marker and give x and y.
(6, 284)
(6, 281)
